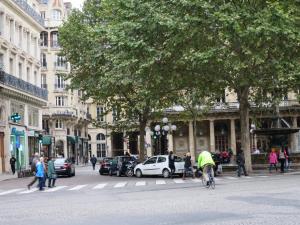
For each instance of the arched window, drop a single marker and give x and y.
(100, 137)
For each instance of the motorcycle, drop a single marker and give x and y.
(130, 168)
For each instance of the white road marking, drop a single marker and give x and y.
(11, 191)
(160, 182)
(197, 180)
(119, 185)
(231, 178)
(262, 176)
(78, 187)
(55, 189)
(29, 191)
(246, 177)
(99, 186)
(178, 181)
(140, 183)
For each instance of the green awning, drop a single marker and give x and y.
(47, 140)
(71, 139)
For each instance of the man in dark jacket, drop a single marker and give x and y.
(188, 165)
(12, 162)
(240, 161)
(172, 163)
(94, 161)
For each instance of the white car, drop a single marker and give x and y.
(158, 165)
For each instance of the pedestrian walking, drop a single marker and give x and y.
(287, 158)
(12, 162)
(33, 169)
(172, 163)
(188, 166)
(240, 161)
(52, 176)
(40, 173)
(273, 160)
(282, 160)
(94, 161)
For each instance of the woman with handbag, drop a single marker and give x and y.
(51, 173)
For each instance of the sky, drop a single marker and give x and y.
(76, 3)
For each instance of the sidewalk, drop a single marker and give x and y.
(7, 176)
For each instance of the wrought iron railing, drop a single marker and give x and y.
(30, 11)
(22, 85)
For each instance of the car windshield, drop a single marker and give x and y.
(60, 161)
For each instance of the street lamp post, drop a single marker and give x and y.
(162, 131)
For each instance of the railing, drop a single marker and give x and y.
(61, 66)
(44, 86)
(59, 87)
(22, 85)
(55, 44)
(30, 11)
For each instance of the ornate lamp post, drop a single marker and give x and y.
(162, 131)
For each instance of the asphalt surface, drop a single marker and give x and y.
(89, 198)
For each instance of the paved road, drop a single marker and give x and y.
(90, 198)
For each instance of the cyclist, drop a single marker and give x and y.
(205, 161)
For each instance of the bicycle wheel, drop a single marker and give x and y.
(212, 184)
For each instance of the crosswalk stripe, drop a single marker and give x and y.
(78, 187)
(178, 181)
(197, 180)
(262, 176)
(160, 182)
(55, 189)
(231, 178)
(29, 191)
(247, 177)
(99, 186)
(11, 191)
(119, 185)
(140, 183)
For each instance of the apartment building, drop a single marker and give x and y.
(65, 116)
(21, 95)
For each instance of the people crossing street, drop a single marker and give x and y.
(94, 161)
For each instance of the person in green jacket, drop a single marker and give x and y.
(205, 161)
(51, 173)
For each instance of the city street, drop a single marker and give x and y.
(91, 198)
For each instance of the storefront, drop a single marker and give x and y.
(18, 147)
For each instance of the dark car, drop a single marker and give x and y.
(64, 166)
(105, 165)
(119, 165)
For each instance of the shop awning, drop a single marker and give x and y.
(71, 139)
(47, 140)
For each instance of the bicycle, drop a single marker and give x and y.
(211, 180)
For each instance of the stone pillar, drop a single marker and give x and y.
(148, 143)
(191, 140)
(125, 140)
(294, 137)
(170, 142)
(232, 136)
(212, 135)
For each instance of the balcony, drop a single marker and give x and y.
(59, 87)
(55, 44)
(30, 11)
(23, 86)
(61, 66)
(44, 86)
(60, 112)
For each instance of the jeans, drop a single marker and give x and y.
(272, 164)
(94, 166)
(282, 161)
(49, 182)
(33, 181)
(240, 168)
(172, 167)
(206, 170)
(41, 183)
(13, 169)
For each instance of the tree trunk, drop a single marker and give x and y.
(194, 134)
(142, 127)
(243, 95)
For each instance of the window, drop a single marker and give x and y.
(11, 31)
(161, 159)
(44, 60)
(28, 74)
(151, 161)
(59, 124)
(59, 82)
(56, 14)
(1, 62)
(68, 131)
(101, 151)
(43, 14)
(20, 70)
(43, 81)
(60, 61)
(100, 113)
(11, 66)
(100, 137)
(54, 39)
(20, 33)
(35, 78)
(115, 114)
(1, 23)
(33, 117)
(44, 39)
(60, 101)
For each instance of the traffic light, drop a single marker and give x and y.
(15, 117)
(40, 138)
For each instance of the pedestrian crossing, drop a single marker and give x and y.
(119, 185)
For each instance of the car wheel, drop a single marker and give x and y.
(166, 173)
(138, 173)
(129, 173)
(69, 174)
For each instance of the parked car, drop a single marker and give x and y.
(159, 165)
(105, 165)
(120, 164)
(64, 166)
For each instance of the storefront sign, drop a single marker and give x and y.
(16, 132)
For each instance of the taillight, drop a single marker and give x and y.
(66, 165)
